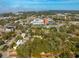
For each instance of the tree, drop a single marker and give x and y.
(19, 38)
(0, 55)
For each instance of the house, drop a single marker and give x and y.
(1, 28)
(19, 42)
(45, 20)
(46, 55)
(48, 21)
(9, 28)
(12, 54)
(61, 16)
(23, 35)
(76, 17)
(7, 17)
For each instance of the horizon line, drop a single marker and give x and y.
(35, 11)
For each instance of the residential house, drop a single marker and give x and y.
(12, 54)
(23, 35)
(1, 30)
(9, 28)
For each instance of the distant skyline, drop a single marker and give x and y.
(37, 5)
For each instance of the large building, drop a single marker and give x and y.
(44, 21)
(37, 21)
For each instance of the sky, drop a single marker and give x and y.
(37, 5)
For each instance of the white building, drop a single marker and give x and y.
(19, 42)
(37, 21)
(23, 35)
